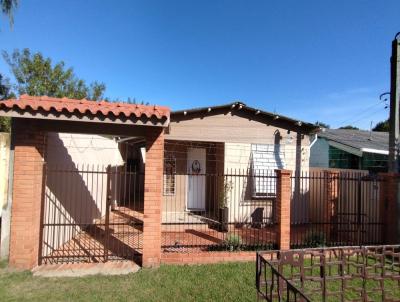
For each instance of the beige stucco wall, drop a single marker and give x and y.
(4, 166)
(77, 197)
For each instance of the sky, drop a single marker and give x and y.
(310, 60)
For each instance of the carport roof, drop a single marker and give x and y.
(44, 107)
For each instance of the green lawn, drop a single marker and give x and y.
(215, 282)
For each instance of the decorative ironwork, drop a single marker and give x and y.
(353, 273)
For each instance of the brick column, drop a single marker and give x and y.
(282, 208)
(389, 206)
(332, 195)
(29, 147)
(153, 197)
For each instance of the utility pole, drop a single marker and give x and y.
(394, 106)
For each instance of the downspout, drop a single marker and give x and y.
(6, 214)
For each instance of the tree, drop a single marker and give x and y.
(322, 125)
(349, 127)
(8, 7)
(5, 93)
(36, 75)
(382, 126)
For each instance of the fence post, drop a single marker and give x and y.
(282, 208)
(332, 195)
(389, 207)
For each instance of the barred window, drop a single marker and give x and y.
(169, 175)
(265, 159)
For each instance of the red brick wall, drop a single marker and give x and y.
(282, 208)
(153, 197)
(29, 146)
(207, 257)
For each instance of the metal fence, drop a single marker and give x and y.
(209, 212)
(355, 273)
(335, 209)
(91, 214)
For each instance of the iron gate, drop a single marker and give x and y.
(335, 209)
(91, 214)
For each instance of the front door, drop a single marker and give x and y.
(196, 168)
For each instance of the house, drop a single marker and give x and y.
(99, 181)
(245, 143)
(202, 146)
(350, 149)
(101, 176)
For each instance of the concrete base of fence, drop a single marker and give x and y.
(207, 257)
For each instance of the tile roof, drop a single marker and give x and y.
(359, 139)
(47, 104)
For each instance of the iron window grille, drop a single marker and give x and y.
(169, 176)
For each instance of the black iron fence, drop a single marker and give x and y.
(209, 212)
(355, 273)
(334, 209)
(91, 214)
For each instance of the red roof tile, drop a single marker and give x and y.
(104, 108)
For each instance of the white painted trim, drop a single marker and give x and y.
(375, 151)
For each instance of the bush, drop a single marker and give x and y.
(233, 242)
(315, 240)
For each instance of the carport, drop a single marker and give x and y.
(32, 119)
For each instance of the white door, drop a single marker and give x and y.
(196, 168)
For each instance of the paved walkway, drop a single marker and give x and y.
(86, 269)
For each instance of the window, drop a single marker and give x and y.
(265, 159)
(169, 175)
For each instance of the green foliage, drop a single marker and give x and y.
(322, 125)
(349, 127)
(5, 93)
(128, 101)
(315, 240)
(382, 126)
(36, 75)
(233, 242)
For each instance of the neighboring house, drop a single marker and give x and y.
(350, 149)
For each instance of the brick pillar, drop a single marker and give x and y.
(389, 207)
(153, 197)
(282, 208)
(331, 195)
(29, 147)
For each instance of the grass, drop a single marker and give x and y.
(214, 282)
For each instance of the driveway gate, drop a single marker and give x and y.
(91, 214)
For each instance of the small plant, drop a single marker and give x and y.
(315, 240)
(223, 194)
(233, 242)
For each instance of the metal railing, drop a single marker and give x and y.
(211, 212)
(335, 209)
(354, 273)
(91, 214)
